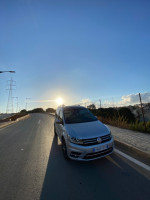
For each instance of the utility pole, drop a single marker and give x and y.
(10, 108)
(27, 102)
(142, 111)
(99, 103)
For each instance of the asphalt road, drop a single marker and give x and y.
(32, 167)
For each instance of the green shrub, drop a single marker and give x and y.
(122, 118)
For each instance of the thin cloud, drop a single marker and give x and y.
(86, 101)
(41, 101)
(126, 100)
(134, 99)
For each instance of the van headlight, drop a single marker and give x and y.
(75, 140)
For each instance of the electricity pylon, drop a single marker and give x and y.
(10, 108)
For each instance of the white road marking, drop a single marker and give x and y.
(22, 149)
(39, 121)
(133, 160)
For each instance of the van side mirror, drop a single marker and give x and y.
(59, 121)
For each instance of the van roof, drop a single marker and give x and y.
(73, 106)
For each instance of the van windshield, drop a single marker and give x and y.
(78, 115)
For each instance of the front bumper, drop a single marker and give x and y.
(86, 153)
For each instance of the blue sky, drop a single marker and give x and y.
(76, 50)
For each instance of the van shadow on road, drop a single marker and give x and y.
(106, 178)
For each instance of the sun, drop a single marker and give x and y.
(59, 101)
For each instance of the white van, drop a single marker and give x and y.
(82, 135)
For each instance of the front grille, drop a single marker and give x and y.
(93, 141)
(106, 138)
(98, 154)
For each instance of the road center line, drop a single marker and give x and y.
(39, 121)
(133, 160)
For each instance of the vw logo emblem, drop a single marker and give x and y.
(99, 140)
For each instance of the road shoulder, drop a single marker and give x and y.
(5, 124)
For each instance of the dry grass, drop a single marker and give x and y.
(122, 123)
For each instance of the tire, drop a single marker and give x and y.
(55, 133)
(64, 150)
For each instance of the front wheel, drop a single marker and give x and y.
(64, 149)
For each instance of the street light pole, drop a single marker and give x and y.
(142, 111)
(100, 103)
(7, 71)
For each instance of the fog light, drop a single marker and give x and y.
(75, 154)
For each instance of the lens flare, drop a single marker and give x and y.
(59, 101)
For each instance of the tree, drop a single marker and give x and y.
(50, 110)
(91, 107)
(23, 111)
(36, 110)
(108, 113)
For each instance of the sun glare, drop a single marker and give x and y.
(59, 101)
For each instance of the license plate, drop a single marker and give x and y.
(101, 148)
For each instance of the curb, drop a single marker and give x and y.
(133, 152)
(24, 117)
(13, 122)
